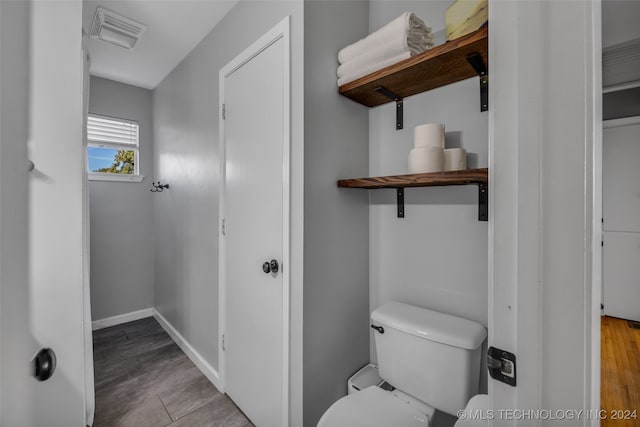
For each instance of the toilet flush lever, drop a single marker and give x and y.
(378, 328)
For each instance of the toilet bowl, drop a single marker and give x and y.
(433, 361)
(374, 407)
(476, 413)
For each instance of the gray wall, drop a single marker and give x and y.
(336, 233)
(186, 115)
(122, 273)
(436, 257)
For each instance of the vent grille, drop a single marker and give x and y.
(621, 63)
(633, 325)
(116, 29)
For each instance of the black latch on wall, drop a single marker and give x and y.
(502, 365)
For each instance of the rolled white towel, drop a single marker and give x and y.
(406, 24)
(363, 71)
(393, 47)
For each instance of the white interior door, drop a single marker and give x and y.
(254, 92)
(41, 213)
(17, 344)
(621, 219)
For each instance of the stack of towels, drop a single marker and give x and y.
(400, 39)
(428, 153)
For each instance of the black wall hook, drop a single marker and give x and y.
(159, 188)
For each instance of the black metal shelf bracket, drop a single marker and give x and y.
(483, 202)
(400, 202)
(475, 60)
(399, 105)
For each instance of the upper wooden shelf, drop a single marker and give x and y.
(459, 177)
(439, 66)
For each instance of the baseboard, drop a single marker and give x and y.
(191, 352)
(121, 318)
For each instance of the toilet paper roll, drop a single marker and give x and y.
(426, 159)
(428, 135)
(455, 159)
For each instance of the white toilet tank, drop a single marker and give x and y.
(434, 357)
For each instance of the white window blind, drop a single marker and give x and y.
(112, 149)
(110, 131)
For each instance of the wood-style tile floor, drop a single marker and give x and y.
(143, 379)
(620, 371)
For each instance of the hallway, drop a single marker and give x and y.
(143, 379)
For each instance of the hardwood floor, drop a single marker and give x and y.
(620, 371)
(143, 379)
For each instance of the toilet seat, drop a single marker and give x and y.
(372, 407)
(480, 405)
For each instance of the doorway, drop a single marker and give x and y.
(620, 324)
(621, 222)
(254, 238)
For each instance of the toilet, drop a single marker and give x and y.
(479, 404)
(431, 359)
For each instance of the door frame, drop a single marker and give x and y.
(520, 309)
(279, 31)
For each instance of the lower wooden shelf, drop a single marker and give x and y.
(479, 177)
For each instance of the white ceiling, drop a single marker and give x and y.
(175, 28)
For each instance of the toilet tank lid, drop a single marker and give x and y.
(431, 325)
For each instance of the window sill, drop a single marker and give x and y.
(114, 177)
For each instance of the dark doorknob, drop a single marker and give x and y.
(44, 364)
(270, 266)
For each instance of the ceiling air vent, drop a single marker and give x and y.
(116, 29)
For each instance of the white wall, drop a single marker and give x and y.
(619, 21)
(336, 235)
(185, 120)
(122, 262)
(435, 257)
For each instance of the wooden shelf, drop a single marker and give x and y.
(479, 177)
(439, 66)
(460, 177)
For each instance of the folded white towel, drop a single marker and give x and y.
(406, 24)
(393, 47)
(363, 71)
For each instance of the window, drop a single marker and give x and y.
(112, 150)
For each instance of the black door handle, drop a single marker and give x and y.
(270, 266)
(44, 364)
